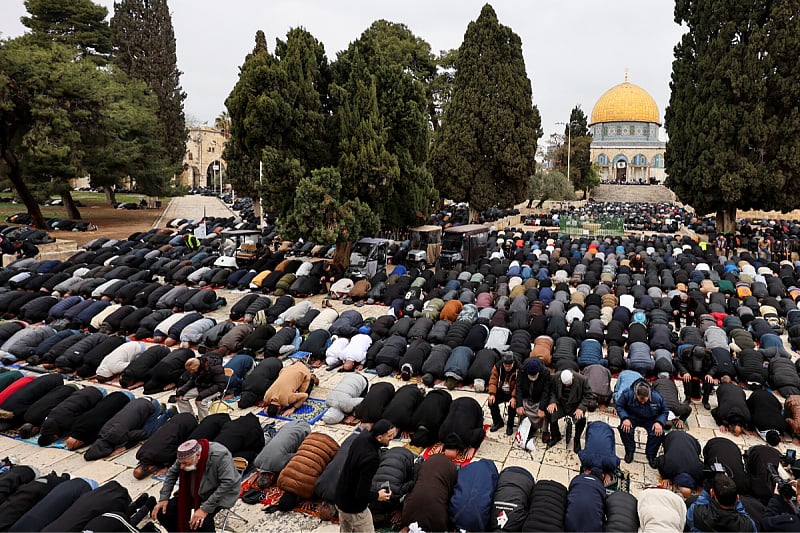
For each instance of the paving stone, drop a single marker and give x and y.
(100, 471)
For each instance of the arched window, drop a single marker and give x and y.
(639, 160)
(602, 160)
(658, 161)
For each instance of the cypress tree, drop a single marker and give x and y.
(484, 152)
(144, 48)
(733, 120)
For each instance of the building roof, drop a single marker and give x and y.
(625, 102)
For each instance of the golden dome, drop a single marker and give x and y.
(625, 102)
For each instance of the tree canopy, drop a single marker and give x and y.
(552, 185)
(484, 151)
(77, 24)
(578, 141)
(733, 120)
(144, 48)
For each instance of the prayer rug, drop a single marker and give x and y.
(34, 441)
(311, 411)
(463, 458)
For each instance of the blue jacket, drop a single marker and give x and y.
(471, 502)
(705, 499)
(599, 452)
(585, 504)
(641, 414)
(591, 353)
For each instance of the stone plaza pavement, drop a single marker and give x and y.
(558, 463)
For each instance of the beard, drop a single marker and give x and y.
(190, 468)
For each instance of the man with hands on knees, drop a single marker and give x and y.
(639, 406)
(570, 395)
(208, 482)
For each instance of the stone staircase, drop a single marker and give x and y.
(632, 193)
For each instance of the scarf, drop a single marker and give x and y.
(189, 488)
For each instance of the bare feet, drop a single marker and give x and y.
(679, 424)
(723, 429)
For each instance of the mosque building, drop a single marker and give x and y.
(625, 126)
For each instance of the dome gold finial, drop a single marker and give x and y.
(626, 74)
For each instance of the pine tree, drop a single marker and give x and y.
(733, 120)
(144, 47)
(77, 24)
(484, 152)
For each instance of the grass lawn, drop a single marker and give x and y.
(89, 199)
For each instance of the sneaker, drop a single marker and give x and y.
(428, 380)
(451, 383)
(479, 385)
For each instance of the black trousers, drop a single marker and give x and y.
(169, 519)
(502, 397)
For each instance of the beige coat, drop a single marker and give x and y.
(661, 511)
(290, 387)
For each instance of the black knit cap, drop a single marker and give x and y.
(381, 426)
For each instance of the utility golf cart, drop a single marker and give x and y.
(425, 243)
(463, 245)
(368, 257)
(247, 248)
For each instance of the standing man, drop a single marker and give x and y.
(503, 388)
(353, 487)
(639, 406)
(569, 396)
(208, 482)
(206, 378)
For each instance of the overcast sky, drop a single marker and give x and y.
(574, 50)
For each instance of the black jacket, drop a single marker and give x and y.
(209, 378)
(681, 454)
(378, 397)
(353, 488)
(780, 516)
(428, 417)
(160, 448)
(536, 391)
(766, 412)
(122, 429)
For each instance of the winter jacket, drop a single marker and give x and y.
(731, 407)
(123, 429)
(586, 499)
(681, 454)
(61, 417)
(511, 497)
(429, 416)
(168, 370)
(282, 447)
(599, 453)
(706, 515)
(243, 436)
(660, 510)
(347, 324)
(591, 353)
(325, 487)
(548, 507)
(397, 467)
(119, 359)
(726, 452)
(471, 502)
(14, 406)
(621, 513)
(792, 408)
(344, 398)
(579, 396)
(463, 426)
(371, 409)
(766, 412)
(160, 448)
(209, 379)
(641, 414)
(427, 503)
(290, 386)
(53, 505)
(301, 472)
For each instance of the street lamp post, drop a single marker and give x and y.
(569, 143)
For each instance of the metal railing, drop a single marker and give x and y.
(597, 227)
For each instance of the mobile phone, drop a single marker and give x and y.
(791, 455)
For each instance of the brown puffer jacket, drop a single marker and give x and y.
(543, 349)
(792, 406)
(301, 473)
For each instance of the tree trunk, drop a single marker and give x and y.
(474, 215)
(341, 256)
(726, 219)
(111, 194)
(432, 115)
(24, 193)
(530, 203)
(542, 200)
(69, 205)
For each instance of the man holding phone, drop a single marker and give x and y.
(353, 488)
